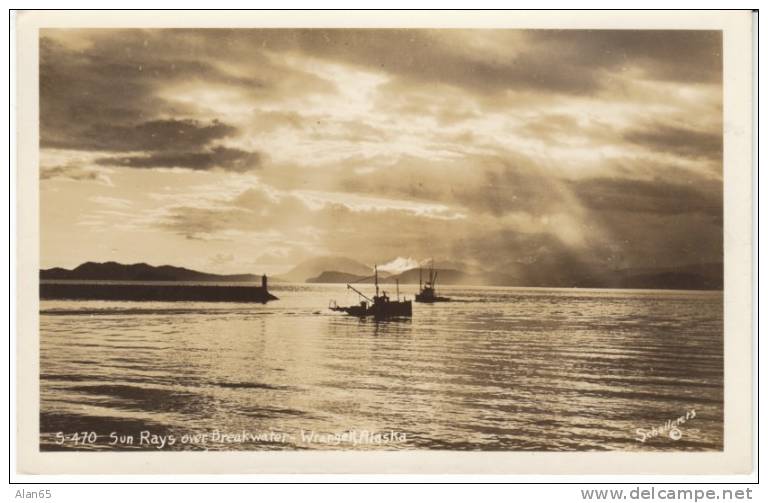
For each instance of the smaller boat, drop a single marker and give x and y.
(380, 306)
(428, 290)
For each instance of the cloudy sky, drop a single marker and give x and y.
(250, 150)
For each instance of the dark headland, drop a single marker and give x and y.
(143, 282)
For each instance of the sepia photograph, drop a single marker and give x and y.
(368, 239)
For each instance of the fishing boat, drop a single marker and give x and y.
(428, 290)
(380, 306)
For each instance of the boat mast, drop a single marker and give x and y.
(376, 278)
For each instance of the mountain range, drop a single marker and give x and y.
(690, 277)
(112, 271)
(336, 269)
(317, 265)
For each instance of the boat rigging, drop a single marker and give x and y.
(380, 306)
(428, 290)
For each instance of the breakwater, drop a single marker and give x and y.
(154, 292)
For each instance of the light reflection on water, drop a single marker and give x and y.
(498, 369)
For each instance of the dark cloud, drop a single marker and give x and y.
(155, 135)
(229, 159)
(679, 141)
(637, 239)
(74, 172)
(651, 137)
(670, 55)
(109, 89)
(104, 98)
(84, 90)
(650, 196)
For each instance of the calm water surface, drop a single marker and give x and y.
(498, 369)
